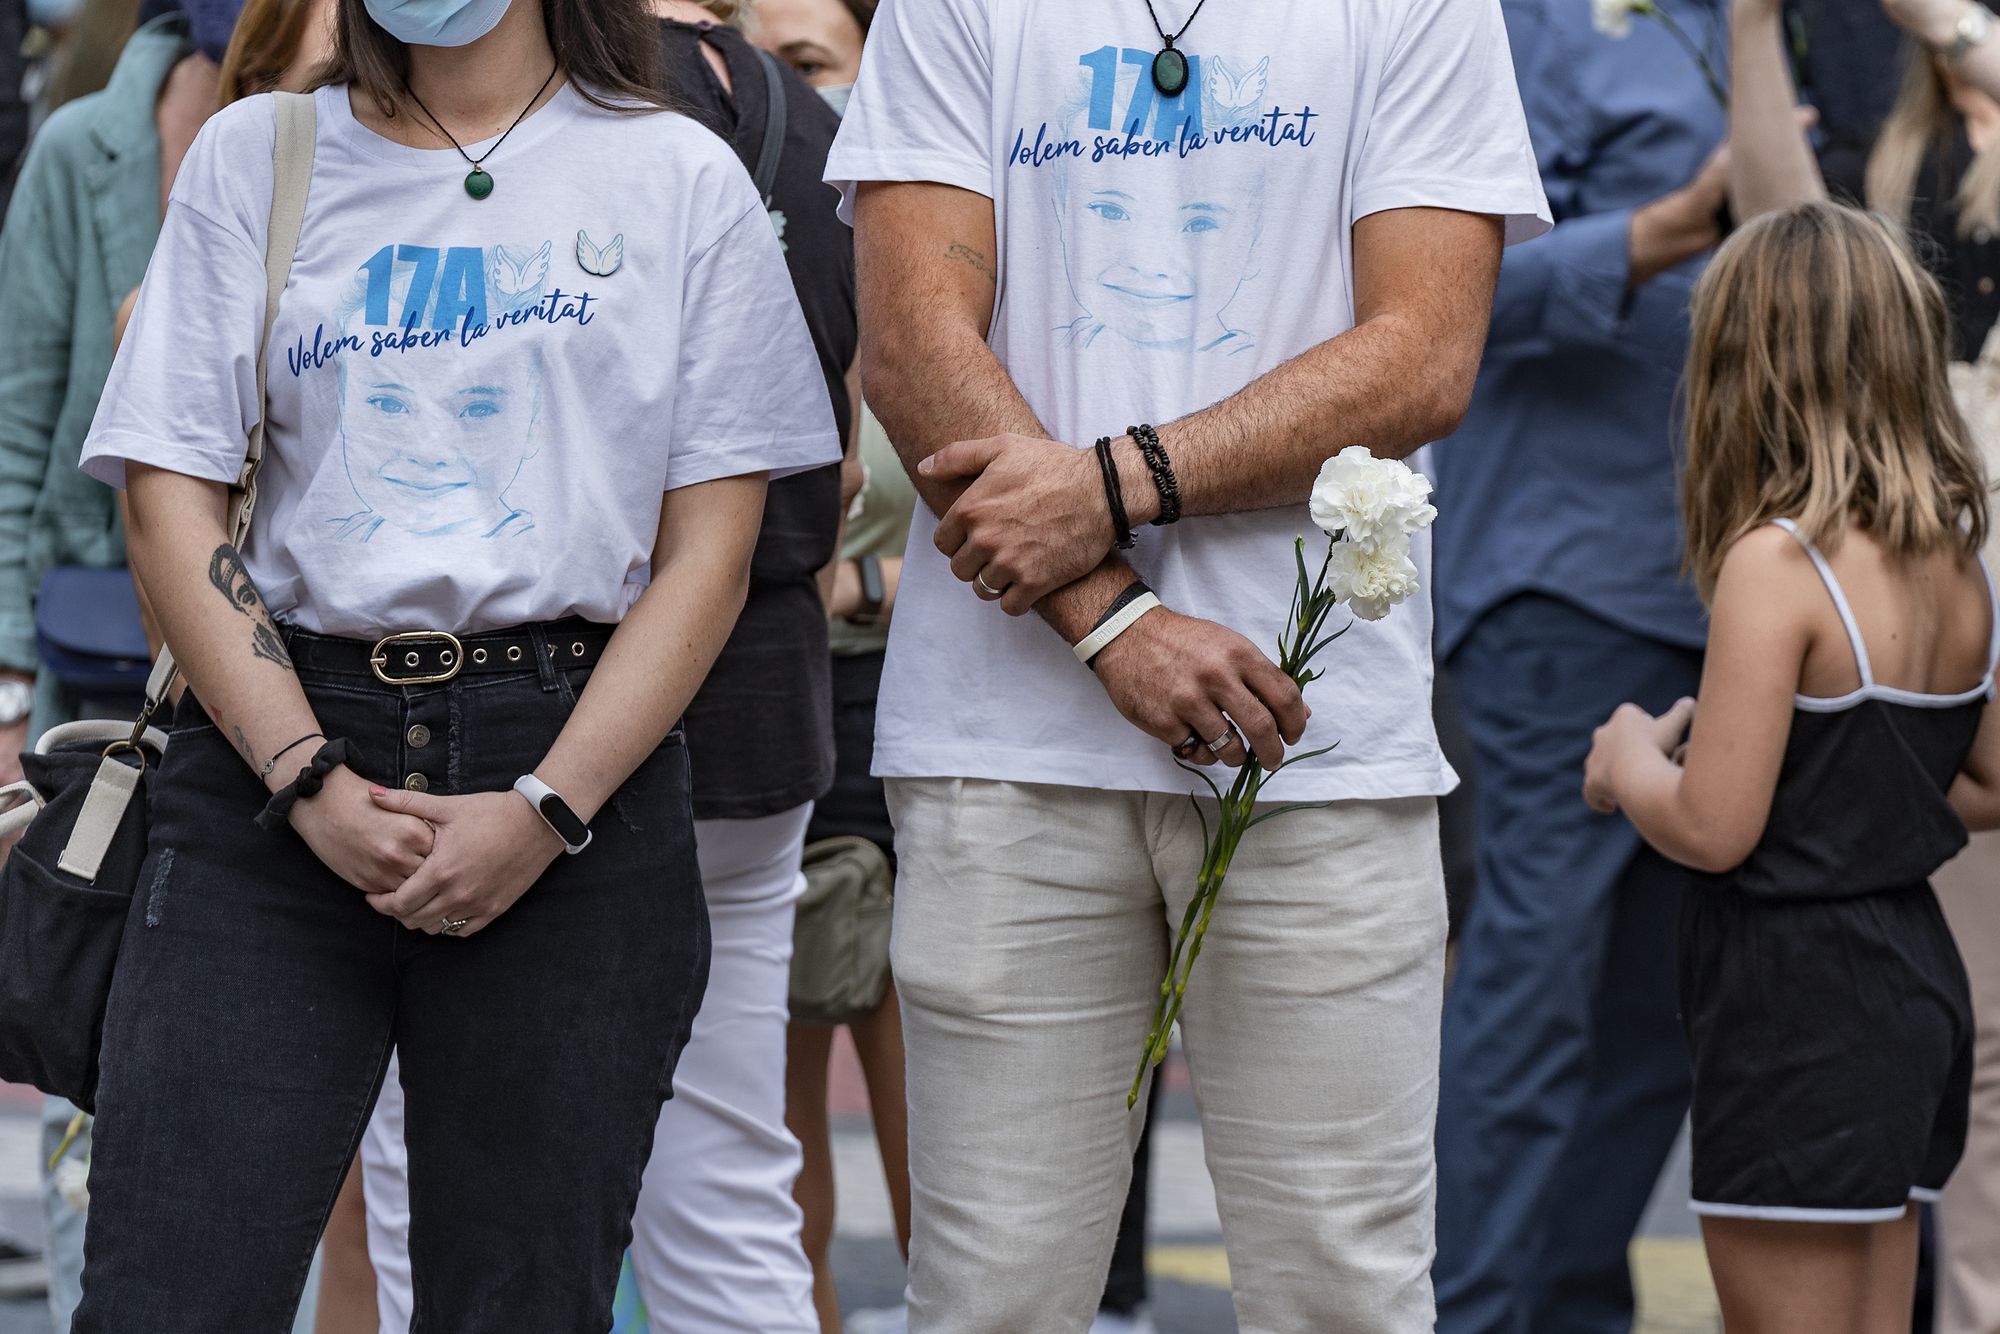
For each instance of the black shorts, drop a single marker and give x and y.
(1832, 1047)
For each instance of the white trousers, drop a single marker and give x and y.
(1032, 930)
(715, 1242)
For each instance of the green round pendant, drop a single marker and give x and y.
(1170, 72)
(478, 183)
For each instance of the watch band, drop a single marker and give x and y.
(873, 591)
(569, 826)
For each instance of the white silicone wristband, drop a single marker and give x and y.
(1100, 639)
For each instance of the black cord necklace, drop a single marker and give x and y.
(478, 181)
(1170, 67)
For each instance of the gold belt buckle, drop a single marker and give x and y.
(451, 658)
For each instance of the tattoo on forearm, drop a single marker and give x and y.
(243, 744)
(226, 572)
(965, 254)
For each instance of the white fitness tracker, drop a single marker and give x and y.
(569, 827)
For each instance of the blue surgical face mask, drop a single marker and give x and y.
(437, 22)
(836, 97)
(52, 13)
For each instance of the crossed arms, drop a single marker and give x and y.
(1028, 515)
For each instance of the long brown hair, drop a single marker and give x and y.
(1817, 390)
(610, 49)
(263, 46)
(1924, 118)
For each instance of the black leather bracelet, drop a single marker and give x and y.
(308, 784)
(1114, 496)
(1162, 468)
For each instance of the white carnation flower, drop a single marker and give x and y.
(1371, 582)
(1613, 18)
(72, 1181)
(1374, 503)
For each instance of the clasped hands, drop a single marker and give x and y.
(1035, 519)
(427, 860)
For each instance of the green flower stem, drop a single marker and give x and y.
(1297, 646)
(1680, 34)
(70, 1136)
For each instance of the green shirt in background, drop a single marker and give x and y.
(878, 525)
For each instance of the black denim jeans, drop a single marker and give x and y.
(258, 998)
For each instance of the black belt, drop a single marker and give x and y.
(430, 657)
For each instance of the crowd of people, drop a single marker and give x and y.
(605, 705)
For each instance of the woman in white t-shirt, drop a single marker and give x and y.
(537, 356)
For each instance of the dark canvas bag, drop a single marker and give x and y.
(67, 886)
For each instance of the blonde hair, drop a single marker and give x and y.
(1817, 391)
(1924, 117)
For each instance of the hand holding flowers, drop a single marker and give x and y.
(1370, 509)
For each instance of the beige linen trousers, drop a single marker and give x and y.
(1031, 932)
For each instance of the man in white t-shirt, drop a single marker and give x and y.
(1277, 241)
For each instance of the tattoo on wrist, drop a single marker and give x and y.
(965, 254)
(226, 573)
(242, 744)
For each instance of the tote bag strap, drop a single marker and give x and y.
(772, 151)
(292, 165)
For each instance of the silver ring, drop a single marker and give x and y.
(987, 590)
(1215, 747)
(451, 926)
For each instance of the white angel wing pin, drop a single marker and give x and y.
(602, 261)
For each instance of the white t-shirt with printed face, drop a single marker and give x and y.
(1156, 255)
(475, 405)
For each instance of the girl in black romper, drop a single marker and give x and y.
(1840, 751)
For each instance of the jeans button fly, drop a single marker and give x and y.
(417, 783)
(419, 737)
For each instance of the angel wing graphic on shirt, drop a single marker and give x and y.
(517, 275)
(1239, 92)
(600, 261)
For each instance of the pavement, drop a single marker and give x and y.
(1190, 1274)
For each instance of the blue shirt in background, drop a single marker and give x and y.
(1563, 478)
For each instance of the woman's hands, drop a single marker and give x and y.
(1631, 732)
(374, 852)
(489, 849)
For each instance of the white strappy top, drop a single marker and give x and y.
(1870, 688)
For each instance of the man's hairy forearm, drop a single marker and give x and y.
(1262, 447)
(932, 381)
(1398, 380)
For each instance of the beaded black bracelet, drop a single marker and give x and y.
(1162, 468)
(1114, 496)
(308, 784)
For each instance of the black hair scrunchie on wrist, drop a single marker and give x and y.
(308, 784)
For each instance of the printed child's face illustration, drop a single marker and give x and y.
(432, 443)
(1152, 266)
